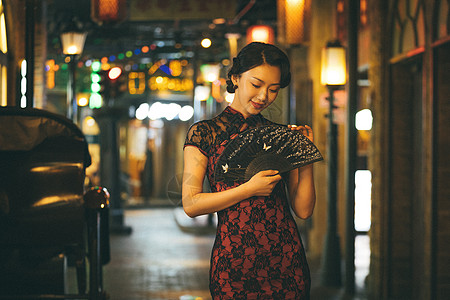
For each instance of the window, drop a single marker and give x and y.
(409, 28)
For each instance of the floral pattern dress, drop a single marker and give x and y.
(258, 252)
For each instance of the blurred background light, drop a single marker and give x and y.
(206, 43)
(186, 113)
(142, 111)
(364, 119)
(201, 93)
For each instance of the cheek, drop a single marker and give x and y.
(272, 97)
(247, 93)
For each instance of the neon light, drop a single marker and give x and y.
(114, 73)
(136, 83)
(96, 66)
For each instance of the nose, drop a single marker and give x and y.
(262, 96)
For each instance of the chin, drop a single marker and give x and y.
(254, 111)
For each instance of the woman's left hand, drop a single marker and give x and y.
(305, 130)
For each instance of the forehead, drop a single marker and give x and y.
(266, 73)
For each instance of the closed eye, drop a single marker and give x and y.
(256, 86)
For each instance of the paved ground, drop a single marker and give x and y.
(160, 261)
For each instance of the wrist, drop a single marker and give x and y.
(245, 190)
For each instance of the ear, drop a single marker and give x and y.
(234, 79)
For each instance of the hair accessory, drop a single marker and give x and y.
(271, 147)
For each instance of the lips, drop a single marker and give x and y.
(257, 105)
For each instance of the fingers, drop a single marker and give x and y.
(264, 182)
(306, 130)
(270, 175)
(300, 127)
(276, 178)
(273, 176)
(269, 172)
(295, 127)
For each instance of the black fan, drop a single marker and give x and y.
(271, 147)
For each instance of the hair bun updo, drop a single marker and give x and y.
(256, 54)
(231, 88)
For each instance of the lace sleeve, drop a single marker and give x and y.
(199, 135)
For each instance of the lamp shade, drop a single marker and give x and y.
(73, 42)
(333, 71)
(294, 13)
(260, 33)
(293, 21)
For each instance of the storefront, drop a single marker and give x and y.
(409, 88)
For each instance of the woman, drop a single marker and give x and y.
(258, 253)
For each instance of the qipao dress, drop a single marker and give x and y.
(258, 252)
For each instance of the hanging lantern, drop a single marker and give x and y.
(108, 10)
(260, 33)
(333, 71)
(293, 21)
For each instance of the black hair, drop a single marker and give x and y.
(256, 54)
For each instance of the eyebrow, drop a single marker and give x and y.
(263, 81)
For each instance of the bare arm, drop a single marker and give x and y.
(302, 191)
(196, 202)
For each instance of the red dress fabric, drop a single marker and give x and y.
(258, 252)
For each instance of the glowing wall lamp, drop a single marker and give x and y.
(260, 33)
(333, 75)
(72, 43)
(333, 71)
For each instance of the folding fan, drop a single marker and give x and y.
(271, 147)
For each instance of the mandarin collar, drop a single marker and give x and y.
(251, 119)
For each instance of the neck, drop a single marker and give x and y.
(239, 109)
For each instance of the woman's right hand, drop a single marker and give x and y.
(196, 202)
(263, 183)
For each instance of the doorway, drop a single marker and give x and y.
(406, 203)
(441, 172)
